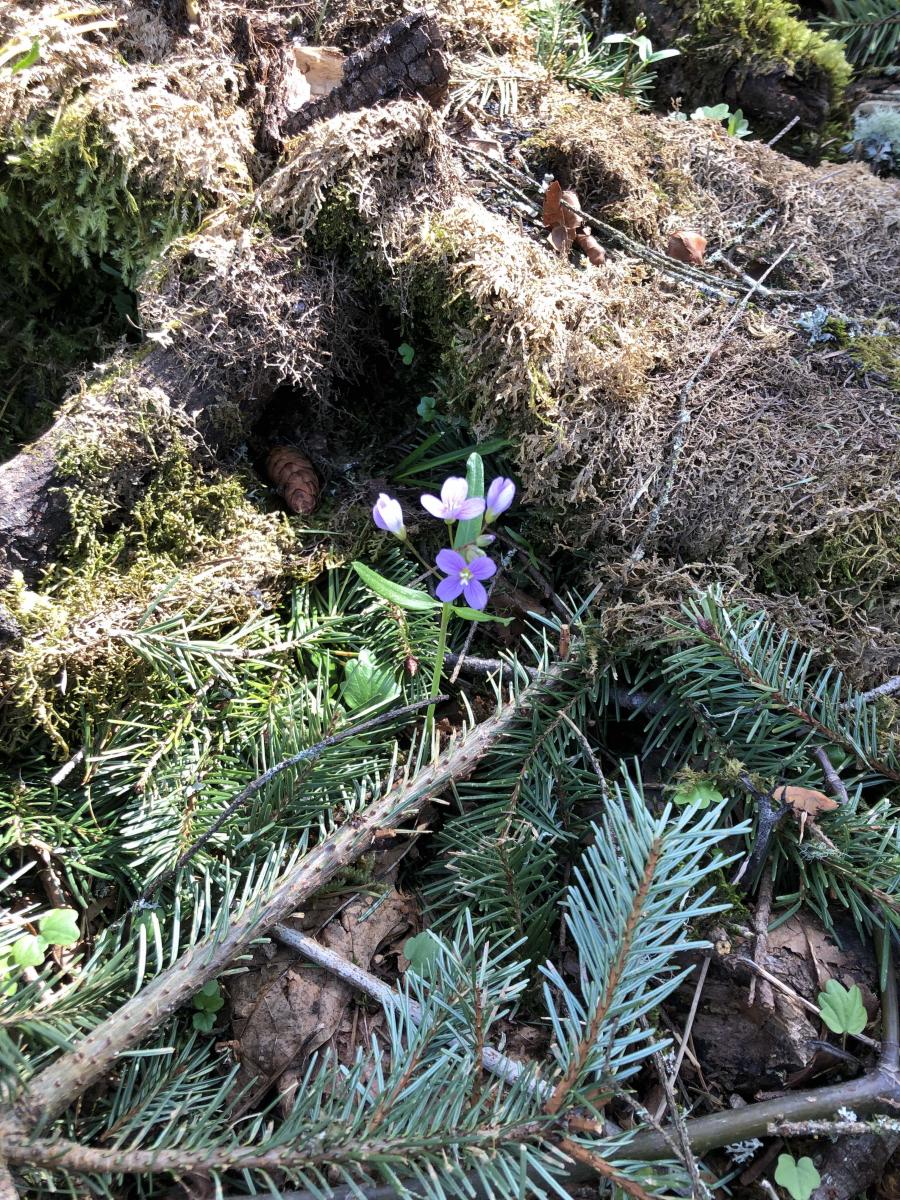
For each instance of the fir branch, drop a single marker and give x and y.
(54, 1089)
(308, 755)
(601, 1167)
(601, 1011)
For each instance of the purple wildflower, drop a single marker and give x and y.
(453, 505)
(464, 577)
(500, 496)
(388, 515)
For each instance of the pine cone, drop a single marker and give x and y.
(295, 478)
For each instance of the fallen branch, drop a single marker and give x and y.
(492, 1060)
(310, 754)
(50, 1092)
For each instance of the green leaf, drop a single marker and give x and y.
(368, 682)
(426, 408)
(413, 464)
(203, 1021)
(406, 352)
(475, 614)
(28, 59)
(210, 988)
(395, 593)
(800, 1178)
(842, 1009)
(60, 927)
(701, 795)
(468, 531)
(421, 951)
(29, 950)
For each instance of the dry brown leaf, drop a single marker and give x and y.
(295, 478)
(589, 246)
(288, 1009)
(805, 800)
(559, 239)
(687, 246)
(323, 67)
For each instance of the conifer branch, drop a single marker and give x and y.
(589, 1037)
(50, 1092)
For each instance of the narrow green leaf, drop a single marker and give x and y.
(468, 531)
(29, 59)
(408, 598)
(475, 614)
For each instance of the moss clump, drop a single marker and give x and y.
(771, 31)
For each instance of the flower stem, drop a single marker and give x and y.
(438, 664)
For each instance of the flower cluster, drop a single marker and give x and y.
(465, 568)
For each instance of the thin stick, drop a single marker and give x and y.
(684, 415)
(589, 753)
(889, 688)
(834, 781)
(761, 918)
(780, 134)
(678, 1123)
(54, 1088)
(691, 1017)
(492, 1060)
(308, 755)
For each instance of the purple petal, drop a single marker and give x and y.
(470, 508)
(476, 596)
(448, 589)
(378, 518)
(451, 562)
(433, 505)
(454, 492)
(500, 496)
(482, 567)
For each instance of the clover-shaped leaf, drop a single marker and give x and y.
(28, 950)
(406, 352)
(203, 1021)
(799, 1177)
(700, 795)
(842, 1008)
(208, 1000)
(421, 951)
(60, 927)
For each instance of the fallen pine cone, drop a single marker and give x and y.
(686, 246)
(295, 478)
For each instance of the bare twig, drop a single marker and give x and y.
(883, 1125)
(691, 1017)
(684, 417)
(308, 755)
(890, 687)
(53, 1089)
(834, 781)
(701, 1191)
(781, 132)
(761, 918)
(492, 1060)
(589, 754)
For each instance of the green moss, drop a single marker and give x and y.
(879, 354)
(770, 31)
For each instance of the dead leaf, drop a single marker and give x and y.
(687, 246)
(562, 223)
(806, 803)
(323, 67)
(287, 1010)
(589, 246)
(805, 800)
(559, 239)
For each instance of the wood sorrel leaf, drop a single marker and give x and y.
(60, 927)
(799, 1178)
